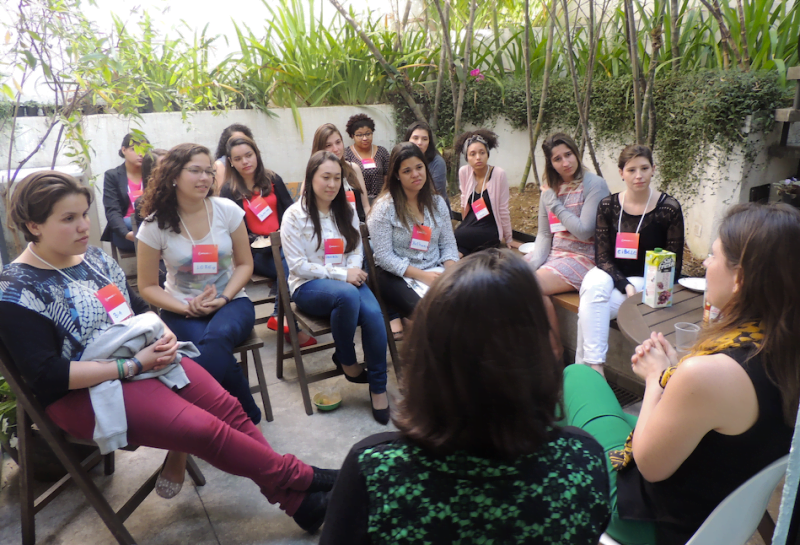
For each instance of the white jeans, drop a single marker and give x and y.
(600, 302)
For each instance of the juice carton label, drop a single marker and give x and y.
(659, 278)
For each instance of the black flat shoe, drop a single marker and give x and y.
(323, 480)
(311, 513)
(360, 379)
(381, 416)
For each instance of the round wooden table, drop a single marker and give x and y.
(636, 320)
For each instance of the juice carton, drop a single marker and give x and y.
(659, 278)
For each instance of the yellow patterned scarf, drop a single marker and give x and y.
(749, 333)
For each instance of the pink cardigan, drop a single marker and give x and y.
(497, 186)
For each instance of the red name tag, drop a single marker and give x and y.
(479, 208)
(627, 246)
(259, 207)
(420, 238)
(114, 303)
(334, 251)
(351, 198)
(555, 225)
(204, 259)
(369, 162)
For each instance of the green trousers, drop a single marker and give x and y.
(591, 406)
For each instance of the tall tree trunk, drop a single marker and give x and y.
(675, 31)
(576, 90)
(496, 30)
(743, 31)
(594, 40)
(391, 72)
(716, 12)
(648, 108)
(528, 101)
(633, 53)
(445, 20)
(437, 101)
(462, 88)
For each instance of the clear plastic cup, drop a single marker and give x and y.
(685, 336)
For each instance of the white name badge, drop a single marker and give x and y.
(479, 209)
(204, 259)
(555, 225)
(334, 251)
(420, 238)
(260, 208)
(114, 303)
(627, 246)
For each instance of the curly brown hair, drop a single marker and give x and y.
(160, 202)
(485, 134)
(357, 121)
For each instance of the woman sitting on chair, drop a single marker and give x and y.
(722, 413)
(411, 233)
(54, 309)
(221, 163)
(264, 198)
(420, 133)
(203, 241)
(323, 249)
(479, 457)
(327, 137)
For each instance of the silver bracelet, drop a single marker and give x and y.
(131, 368)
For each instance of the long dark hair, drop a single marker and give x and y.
(160, 197)
(480, 375)
(226, 134)
(341, 210)
(393, 187)
(321, 141)
(761, 241)
(553, 178)
(431, 152)
(263, 178)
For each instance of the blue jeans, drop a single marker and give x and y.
(216, 336)
(122, 243)
(264, 264)
(348, 307)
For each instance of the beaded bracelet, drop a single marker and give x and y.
(138, 364)
(120, 370)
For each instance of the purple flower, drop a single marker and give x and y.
(476, 73)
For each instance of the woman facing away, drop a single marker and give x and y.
(420, 133)
(203, 242)
(411, 233)
(564, 251)
(372, 159)
(121, 187)
(327, 137)
(55, 313)
(725, 411)
(629, 224)
(221, 162)
(264, 198)
(479, 456)
(323, 249)
(486, 220)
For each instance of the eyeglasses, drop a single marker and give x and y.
(363, 136)
(195, 171)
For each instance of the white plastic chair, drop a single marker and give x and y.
(735, 520)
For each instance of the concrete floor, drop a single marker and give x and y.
(228, 510)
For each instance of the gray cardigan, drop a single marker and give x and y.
(594, 190)
(391, 238)
(438, 170)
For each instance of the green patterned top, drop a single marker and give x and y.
(392, 491)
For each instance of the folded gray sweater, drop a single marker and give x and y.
(125, 340)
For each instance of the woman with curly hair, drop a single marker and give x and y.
(327, 137)
(221, 164)
(373, 160)
(486, 220)
(203, 241)
(420, 133)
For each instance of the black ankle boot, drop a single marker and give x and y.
(311, 513)
(360, 379)
(323, 480)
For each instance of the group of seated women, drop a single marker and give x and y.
(497, 440)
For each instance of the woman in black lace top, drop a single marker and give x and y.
(656, 218)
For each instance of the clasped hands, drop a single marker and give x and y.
(204, 304)
(159, 354)
(652, 357)
(356, 276)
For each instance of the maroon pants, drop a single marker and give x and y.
(202, 419)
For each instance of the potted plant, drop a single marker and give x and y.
(789, 191)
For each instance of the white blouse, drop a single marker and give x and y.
(306, 261)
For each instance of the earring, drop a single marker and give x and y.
(174, 184)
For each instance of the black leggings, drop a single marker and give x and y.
(396, 294)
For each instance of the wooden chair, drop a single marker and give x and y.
(30, 411)
(314, 325)
(254, 344)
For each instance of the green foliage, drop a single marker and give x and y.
(693, 110)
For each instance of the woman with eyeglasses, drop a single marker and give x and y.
(203, 241)
(373, 160)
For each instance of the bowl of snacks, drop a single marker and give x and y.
(327, 401)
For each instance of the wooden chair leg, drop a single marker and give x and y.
(28, 513)
(766, 528)
(279, 350)
(301, 371)
(262, 384)
(194, 471)
(245, 370)
(108, 464)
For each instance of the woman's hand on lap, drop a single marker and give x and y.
(428, 277)
(356, 276)
(649, 360)
(153, 356)
(168, 342)
(196, 307)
